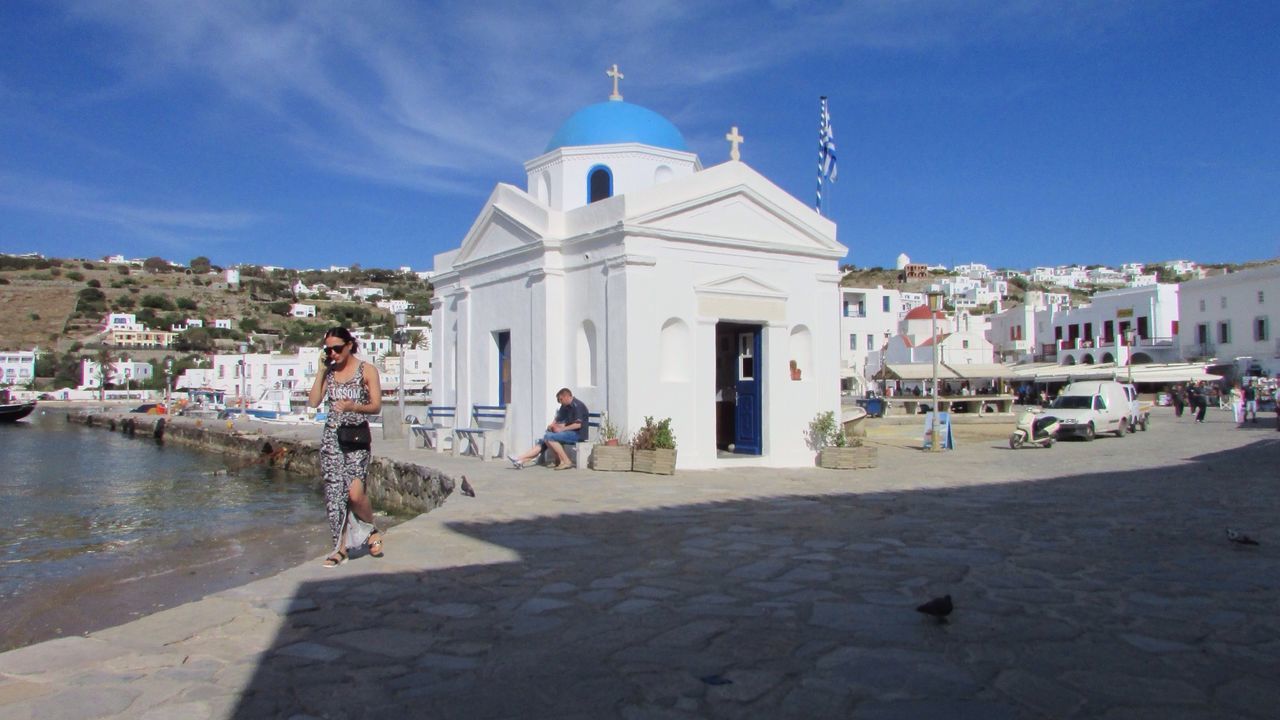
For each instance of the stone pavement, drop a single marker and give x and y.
(1090, 580)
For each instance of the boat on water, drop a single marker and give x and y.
(272, 404)
(13, 412)
(204, 403)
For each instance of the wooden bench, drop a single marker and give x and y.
(487, 421)
(575, 453)
(437, 429)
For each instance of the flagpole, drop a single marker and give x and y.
(817, 205)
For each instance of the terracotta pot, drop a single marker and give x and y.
(611, 442)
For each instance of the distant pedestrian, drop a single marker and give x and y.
(1199, 400)
(1251, 402)
(353, 393)
(1236, 398)
(1179, 401)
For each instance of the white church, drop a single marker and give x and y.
(650, 286)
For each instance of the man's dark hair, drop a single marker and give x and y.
(564, 391)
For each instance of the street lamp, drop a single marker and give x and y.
(400, 338)
(168, 378)
(1129, 336)
(935, 304)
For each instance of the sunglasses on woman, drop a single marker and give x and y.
(333, 349)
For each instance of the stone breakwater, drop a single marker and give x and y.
(393, 486)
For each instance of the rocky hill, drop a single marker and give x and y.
(60, 304)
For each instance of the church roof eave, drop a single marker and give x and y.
(551, 156)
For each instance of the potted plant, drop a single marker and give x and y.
(654, 447)
(835, 450)
(609, 455)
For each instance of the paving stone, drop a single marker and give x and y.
(1155, 645)
(1043, 695)
(435, 661)
(311, 651)
(633, 605)
(57, 655)
(693, 634)
(558, 588)
(761, 570)
(451, 610)
(744, 685)
(12, 691)
(197, 710)
(538, 605)
(1255, 695)
(653, 593)
(80, 703)
(949, 709)
(290, 606)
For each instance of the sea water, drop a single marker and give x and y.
(97, 527)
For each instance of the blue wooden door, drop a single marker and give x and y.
(748, 415)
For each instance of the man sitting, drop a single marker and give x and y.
(569, 426)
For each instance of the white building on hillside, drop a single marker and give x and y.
(649, 285)
(120, 373)
(17, 368)
(302, 310)
(417, 378)
(868, 318)
(1096, 333)
(1233, 318)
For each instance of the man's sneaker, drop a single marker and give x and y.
(515, 463)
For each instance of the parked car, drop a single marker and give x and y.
(1087, 408)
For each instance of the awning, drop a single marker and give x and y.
(1192, 372)
(917, 371)
(980, 371)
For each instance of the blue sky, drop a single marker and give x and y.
(320, 132)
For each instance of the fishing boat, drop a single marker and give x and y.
(15, 411)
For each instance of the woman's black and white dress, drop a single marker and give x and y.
(341, 468)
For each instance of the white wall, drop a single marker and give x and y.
(1233, 299)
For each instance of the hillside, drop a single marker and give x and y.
(60, 304)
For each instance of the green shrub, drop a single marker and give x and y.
(824, 431)
(94, 284)
(654, 435)
(159, 302)
(75, 275)
(122, 269)
(186, 303)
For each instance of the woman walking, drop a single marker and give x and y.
(353, 392)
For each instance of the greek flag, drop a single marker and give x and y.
(826, 150)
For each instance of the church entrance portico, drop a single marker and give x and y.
(739, 388)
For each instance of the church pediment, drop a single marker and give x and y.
(741, 284)
(736, 206)
(495, 234)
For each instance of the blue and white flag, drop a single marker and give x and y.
(827, 169)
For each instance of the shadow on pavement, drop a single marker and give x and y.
(1081, 594)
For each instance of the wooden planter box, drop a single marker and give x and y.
(846, 458)
(657, 462)
(611, 458)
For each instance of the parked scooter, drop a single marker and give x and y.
(1033, 428)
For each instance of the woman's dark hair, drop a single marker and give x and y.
(344, 335)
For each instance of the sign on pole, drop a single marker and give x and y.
(944, 431)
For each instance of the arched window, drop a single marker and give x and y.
(674, 351)
(599, 183)
(586, 354)
(801, 352)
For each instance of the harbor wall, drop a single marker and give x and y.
(394, 487)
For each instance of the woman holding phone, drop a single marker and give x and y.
(352, 391)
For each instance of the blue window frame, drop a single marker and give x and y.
(599, 183)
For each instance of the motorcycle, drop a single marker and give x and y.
(1033, 428)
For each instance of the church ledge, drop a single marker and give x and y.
(731, 242)
(615, 150)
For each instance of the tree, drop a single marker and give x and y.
(200, 265)
(104, 357)
(159, 302)
(186, 303)
(156, 264)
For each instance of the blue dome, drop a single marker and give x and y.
(615, 121)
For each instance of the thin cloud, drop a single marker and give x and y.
(442, 97)
(178, 229)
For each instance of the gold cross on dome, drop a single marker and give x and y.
(613, 73)
(734, 141)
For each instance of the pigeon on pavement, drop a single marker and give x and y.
(938, 608)
(1240, 538)
(466, 488)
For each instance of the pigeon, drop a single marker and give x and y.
(1240, 538)
(938, 608)
(466, 488)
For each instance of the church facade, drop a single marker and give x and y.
(650, 286)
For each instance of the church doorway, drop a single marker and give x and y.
(739, 411)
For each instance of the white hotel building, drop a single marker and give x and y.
(17, 368)
(1232, 318)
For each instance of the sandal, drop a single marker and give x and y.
(335, 560)
(375, 546)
